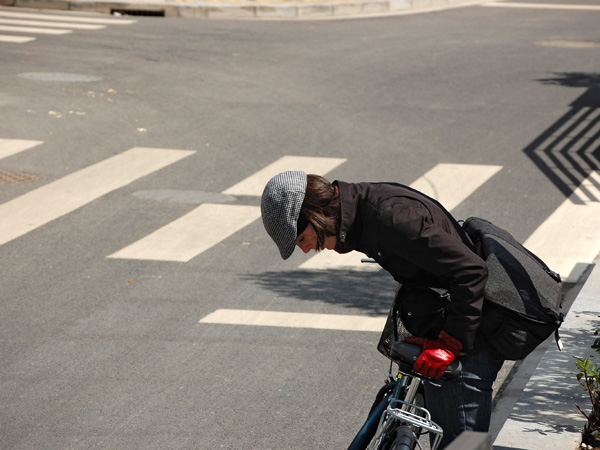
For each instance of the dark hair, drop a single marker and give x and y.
(321, 207)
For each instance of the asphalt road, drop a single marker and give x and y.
(106, 352)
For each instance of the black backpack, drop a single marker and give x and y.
(523, 297)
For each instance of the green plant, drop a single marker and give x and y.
(589, 377)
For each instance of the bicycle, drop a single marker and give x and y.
(398, 417)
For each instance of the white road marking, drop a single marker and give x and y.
(543, 6)
(31, 23)
(255, 184)
(39, 23)
(295, 320)
(209, 224)
(330, 260)
(15, 39)
(55, 31)
(66, 18)
(450, 184)
(9, 147)
(40, 206)
(569, 240)
(191, 234)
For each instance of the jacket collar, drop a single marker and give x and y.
(350, 194)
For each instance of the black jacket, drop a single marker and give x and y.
(412, 237)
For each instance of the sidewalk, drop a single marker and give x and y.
(244, 9)
(541, 399)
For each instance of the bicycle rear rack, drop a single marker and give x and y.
(420, 418)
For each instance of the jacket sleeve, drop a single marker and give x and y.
(434, 247)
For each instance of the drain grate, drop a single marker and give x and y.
(14, 177)
(137, 12)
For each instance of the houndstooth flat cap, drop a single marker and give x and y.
(280, 208)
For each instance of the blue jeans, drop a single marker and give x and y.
(465, 403)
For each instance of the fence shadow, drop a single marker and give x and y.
(569, 150)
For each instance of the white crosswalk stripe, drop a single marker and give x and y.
(33, 24)
(192, 234)
(569, 240)
(9, 147)
(451, 184)
(65, 18)
(15, 39)
(255, 184)
(341, 322)
(208, 225)
(40, 23)
(34, 30)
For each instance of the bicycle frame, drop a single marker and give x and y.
(394, 418)
(391, 389)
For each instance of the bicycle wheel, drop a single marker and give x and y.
(395, 436)
(405, 439)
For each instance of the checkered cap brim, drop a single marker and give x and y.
(280, 208)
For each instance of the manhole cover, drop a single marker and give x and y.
(14, 177)
(569, 43)
(189, 197)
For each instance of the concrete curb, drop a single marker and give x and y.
(243, 9)
(545, 415)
